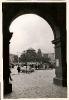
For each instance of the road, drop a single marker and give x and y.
(38, 84)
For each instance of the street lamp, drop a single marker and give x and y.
(18, 57)
(25, 56)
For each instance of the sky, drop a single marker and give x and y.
(31, 30)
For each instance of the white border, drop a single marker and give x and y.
(1, 62)
(34, 1)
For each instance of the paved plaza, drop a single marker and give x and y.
(38, 84)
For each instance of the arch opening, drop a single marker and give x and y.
(33, 26)
(52, 18)
(45, 17)
(31, 32)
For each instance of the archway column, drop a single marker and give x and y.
(7, 84)
(60, 70)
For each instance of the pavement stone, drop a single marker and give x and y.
(38, 84)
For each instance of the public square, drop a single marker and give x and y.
(38, 84)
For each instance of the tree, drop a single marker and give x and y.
(15, 58)
(44, 60)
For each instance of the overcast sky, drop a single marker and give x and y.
(30, 30)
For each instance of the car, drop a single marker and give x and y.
(27, 69)
(32, 69)
(23, 69)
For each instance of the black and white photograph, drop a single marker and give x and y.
(34, 50)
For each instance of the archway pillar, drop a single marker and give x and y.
(60, 68)
(6, 83)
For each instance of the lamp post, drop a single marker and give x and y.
(18, 57)
(25, 60)
(25, 56)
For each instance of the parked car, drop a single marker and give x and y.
(27, 69)
(32, 69)
(23, 69)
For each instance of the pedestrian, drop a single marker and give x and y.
(43, 66)
(10, 75)
(47, 66)
(28, 68)
(18, 68)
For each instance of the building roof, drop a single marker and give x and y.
(31, 49)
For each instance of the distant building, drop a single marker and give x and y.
(45, 55)
(51, 56)
(30, 54)
(30, 50)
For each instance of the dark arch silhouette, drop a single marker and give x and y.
(55, 15)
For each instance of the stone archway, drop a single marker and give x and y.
(55, 15)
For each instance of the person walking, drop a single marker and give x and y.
(10, 75)
(28, 68)
(18, 68)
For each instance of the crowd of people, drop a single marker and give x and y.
(25, 68)
(29, 67)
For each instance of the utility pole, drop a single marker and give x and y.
(18, 57)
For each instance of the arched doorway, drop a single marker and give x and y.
(34, 29)
(57, 21)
